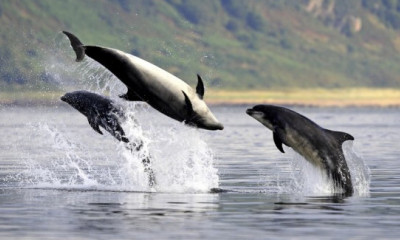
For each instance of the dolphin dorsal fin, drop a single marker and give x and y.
(189, 107)
(200, 87)
(340, 136)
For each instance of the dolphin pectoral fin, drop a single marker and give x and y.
(77, 45)
(278, 142)
(119, 133)
(111, 124)
(189, 107)
(95, 125)
(200, 87)
(130, 96)
(340, 136)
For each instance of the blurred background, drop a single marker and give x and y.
(332, 52)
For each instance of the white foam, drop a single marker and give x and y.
(300, 178)
(360, 173)
(180, 158)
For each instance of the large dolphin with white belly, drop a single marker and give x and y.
(321, 147)
(149, 83)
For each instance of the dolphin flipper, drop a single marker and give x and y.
(95, 125)
(77, 45)
(111, 124)
(189, 108)
(200, 87)
(278, 142)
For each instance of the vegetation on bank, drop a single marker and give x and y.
(234, 44)
(310, 97)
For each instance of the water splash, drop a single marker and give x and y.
(68, 75)
(180, 158)
(307, 179)
(60, 170)
(186, 161)
(301, 178)
(180, 164)
(360, 173)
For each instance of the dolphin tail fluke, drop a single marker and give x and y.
(77, 45)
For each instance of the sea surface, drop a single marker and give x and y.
(59, 179)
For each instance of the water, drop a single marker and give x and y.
(61, 180)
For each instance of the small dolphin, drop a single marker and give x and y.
(103, 112)
(149, 83)
(321, 147)
(100, 112)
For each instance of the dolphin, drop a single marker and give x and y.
(153, 85)
(321, 147)
(103, 112)
(100, 112)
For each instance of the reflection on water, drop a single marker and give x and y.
(60, 179)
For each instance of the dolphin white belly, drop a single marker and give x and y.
(147, 82)
(304, 147)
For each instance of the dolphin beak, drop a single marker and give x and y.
(250, 111)
(217, 126)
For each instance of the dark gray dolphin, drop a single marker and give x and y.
(100, 112)
(149, 83)
(103, 112)
(321, 147)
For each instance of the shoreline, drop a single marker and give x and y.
(317, 97)
(353, 97)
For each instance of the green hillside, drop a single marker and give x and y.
(234, 44)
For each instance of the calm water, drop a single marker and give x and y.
(61, 180)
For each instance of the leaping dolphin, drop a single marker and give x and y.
(149, 83)
(321, 147)
(103, 112)
(100, 112)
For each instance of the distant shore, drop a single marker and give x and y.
(352, 97)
